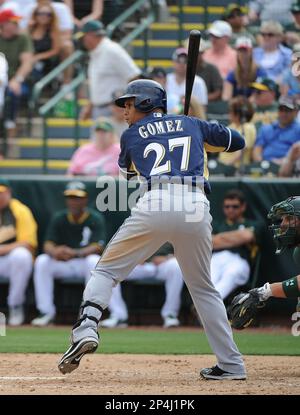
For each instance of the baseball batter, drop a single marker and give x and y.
(169, 151)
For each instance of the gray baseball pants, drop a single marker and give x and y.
(183, 219)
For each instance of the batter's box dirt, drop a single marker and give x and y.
(144, 374)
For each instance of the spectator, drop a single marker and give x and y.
(271, 55)
(99, 157)
(195, 108)
(234, 15)
(15, 7)
(292, 31)
(176, 80)
(117, 117)
(240, 114)
(291, 77)
(18, 241)
(221, 53)
(290, 166)
(17, 49)
(265, 102)
(65, 26)
(110, 68)
(75, 239)
(162, 266)
(275, 140)
(276, 10)
(84, 11)
(238, 82)
(3, 85)
(3, 80)
(235, 243)
(209, 73)
(159, 75)
(43, 30)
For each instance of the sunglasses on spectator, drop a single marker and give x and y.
(268, 34)
(236, 14)
(232, 206)
(44, 14)
(285, 109)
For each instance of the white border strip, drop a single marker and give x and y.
(229, 139)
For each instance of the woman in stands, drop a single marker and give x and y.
(44, 32)
(238, 82)
(240, 115)
(84, 11)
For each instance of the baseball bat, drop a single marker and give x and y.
(193, 51)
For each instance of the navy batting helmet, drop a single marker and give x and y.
(147, 95)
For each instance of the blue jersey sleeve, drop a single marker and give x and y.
(218, 138)
(125, 164)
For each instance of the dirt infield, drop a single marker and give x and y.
(143, 374)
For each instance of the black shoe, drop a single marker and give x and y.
(215, 373)
(71, 359)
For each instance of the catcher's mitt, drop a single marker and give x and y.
(243, 309)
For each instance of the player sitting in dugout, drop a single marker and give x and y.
(18, 242)
(74, 241)
(235, 244)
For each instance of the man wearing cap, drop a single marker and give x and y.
(176, 80)
(275, 140)
(18, 50)
(264, 98)
(110, 67)
(221, 53)
(272, 55)
(18, 241)
(75, 238)
(101, 155)
(160, 75)
(235, 16)
(209, 73)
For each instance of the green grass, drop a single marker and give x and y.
(55, 340)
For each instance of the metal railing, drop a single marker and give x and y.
(77, 57)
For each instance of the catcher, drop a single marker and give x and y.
(285, 225)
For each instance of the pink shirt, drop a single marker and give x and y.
(225, 61)
(89, 160)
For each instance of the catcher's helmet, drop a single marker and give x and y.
(285, 223)
(148, 95)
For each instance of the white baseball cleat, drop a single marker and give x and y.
(113, 322)
(71, 359)
(16, 316)
(43, 320)
(171, 321)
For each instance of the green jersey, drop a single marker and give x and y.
(247, 251)
(12, 49)
(89, 229)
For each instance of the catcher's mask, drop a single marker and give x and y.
(285, 223)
